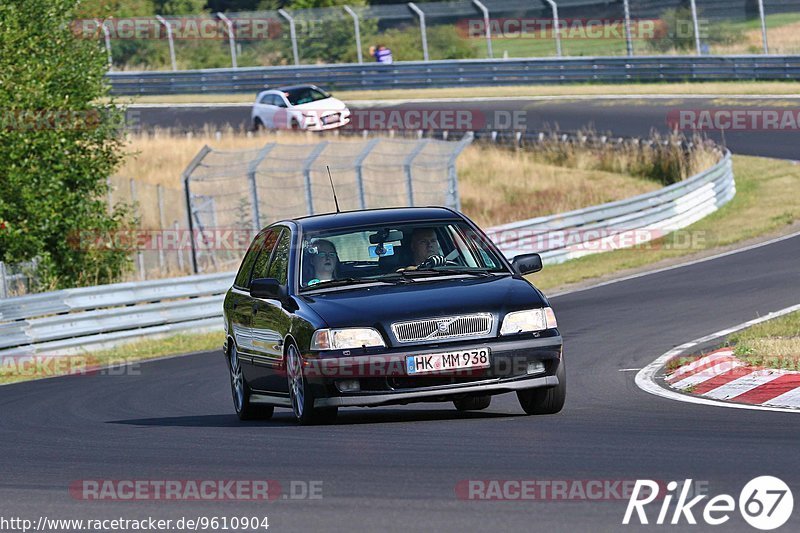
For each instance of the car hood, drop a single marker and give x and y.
(380, 306)
(326, 104)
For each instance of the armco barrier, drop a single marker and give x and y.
(463, 72)
(76, 319)
(639, 218)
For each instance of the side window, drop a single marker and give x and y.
(278, 100)
(265, 99)
(243, 276)
(279, 269)
(261, 266)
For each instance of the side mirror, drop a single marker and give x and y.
(268, 288)
(527, 263)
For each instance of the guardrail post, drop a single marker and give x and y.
(423, 30)
(628, 40)
(307, 173)
(170, 40)
(292, 33)
(420, 146)
(177, 229)
(488, 27)
(251, 176)
(161, 224)
(231, 37)
(359, 161)
(3, 282)
(136, 210)
(454, 200)
(357, 27)
(556, 26)
(696, 26)
(107, 40)
(763, 25)
(187, 176)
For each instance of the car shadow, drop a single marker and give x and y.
(345, 418)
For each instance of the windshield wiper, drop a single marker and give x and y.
(335, 283)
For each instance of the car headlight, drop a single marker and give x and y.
(528, 320)
(345, 338)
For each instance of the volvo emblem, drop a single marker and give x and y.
(443, 327)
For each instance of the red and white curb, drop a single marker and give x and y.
(720, 375)
(719, 379)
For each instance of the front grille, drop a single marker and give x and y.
(447, 327)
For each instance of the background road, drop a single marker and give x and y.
(396, 468)
(634, 117)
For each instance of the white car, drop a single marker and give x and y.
(299, 107)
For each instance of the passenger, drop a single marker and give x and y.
(325, 262)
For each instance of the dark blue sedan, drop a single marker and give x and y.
(387, 306)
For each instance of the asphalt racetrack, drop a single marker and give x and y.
(627, 117)
(398, 468)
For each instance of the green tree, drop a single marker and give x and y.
(59, 145)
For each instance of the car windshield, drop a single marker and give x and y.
(304, 95)
(395, 252)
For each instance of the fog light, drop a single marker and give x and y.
(348, 385)
(535, 367)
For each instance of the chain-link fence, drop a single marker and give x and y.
(231, 191)
(458, 29)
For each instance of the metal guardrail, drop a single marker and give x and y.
(74, 320)
(612, 225)
(77, 319)
(464, 72)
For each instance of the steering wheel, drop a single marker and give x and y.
(437, 260)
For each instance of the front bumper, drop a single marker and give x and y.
(384, 380)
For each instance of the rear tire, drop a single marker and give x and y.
(301, 395)
(545, 401)
(245, 410)
(258, 125)
(473, 403)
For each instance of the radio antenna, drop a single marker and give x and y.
(333, 189)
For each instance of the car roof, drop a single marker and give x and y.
(301, 86)
(392, 215)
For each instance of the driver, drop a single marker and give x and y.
(425, 249)
(424, 244)
(325, 261)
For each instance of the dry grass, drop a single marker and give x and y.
(497, 185)
(784, 39)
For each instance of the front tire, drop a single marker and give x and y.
(301, 395)
(545, 401)
(245, 410)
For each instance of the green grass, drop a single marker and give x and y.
(771, 344)
(765, 203)
(134, 351)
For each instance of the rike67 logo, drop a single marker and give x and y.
(765, 503)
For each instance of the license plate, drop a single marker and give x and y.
(438, 362)
(330, 119)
